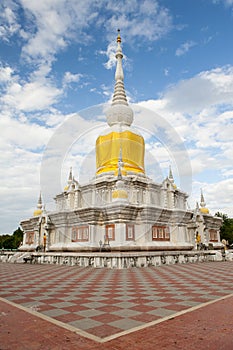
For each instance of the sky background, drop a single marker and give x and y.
(57, 59)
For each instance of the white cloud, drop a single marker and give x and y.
(20, 147)
(71, 78)
(23, 148)
(209, 88)
(55, 24)
(5, 74)
(184, 48)
(31, 96)
(154, 20)
(36, 94)
(49, 25)
(22, 134)
(225, 2)
(8, 19)
(110, 53)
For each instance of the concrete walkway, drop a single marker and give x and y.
(167, 307)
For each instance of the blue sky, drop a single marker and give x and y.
(57, 58)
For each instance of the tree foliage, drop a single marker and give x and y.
(226, 230)
(11, 241)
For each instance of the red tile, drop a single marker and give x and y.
(106, 318)
(144, 317)
(109, 308)
(104, 331)
(70, 317)
(75, 308)
(142, 308)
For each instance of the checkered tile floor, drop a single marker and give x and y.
(104, 302)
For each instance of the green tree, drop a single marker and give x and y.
(11, 241)
(226, 230)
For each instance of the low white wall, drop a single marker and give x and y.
(117, 260)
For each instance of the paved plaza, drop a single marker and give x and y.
(103, 306)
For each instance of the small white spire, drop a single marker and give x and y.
(70, 180)
(170, 176)
(202, 201)
(70, 176)
(120, 165)
(39, 210)
(203, 209)
(39, 204)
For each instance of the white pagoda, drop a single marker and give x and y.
(120, 209)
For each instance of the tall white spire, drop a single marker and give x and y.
(119, 96)
(119, 112)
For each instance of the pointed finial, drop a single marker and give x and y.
(70, 176)
(119, 75)
(170, 176)
(39, 210)
(70, 180)
(119, 175)
(204, 210)
(118, 36)
(39, 204)
(202, 202)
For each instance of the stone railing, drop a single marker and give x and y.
(116, 260)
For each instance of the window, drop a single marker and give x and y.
(167, 233)
(80, 234)
(130, 232)
(110, 232)
(29, 237)
(160, 233)
(154, 233)
(213, 236)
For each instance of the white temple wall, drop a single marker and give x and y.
(60, 235)
(71, 200)
(143, 233)
(179, 234)
(170, 199)
(52, 236)
(141, 215)
(154, 198)
(86, 199)
(119, 234)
